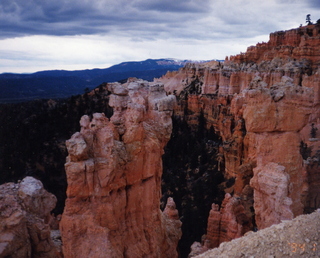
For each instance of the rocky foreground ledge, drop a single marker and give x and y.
(299, 237)
(25, 220)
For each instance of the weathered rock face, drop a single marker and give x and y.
(229, 223)
(271, 201)
(264, 104)
(224, 225)
(300, 43)
(24, 215)
(274, 117)
(114, 173)
(234, 223)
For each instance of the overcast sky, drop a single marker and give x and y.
(84, 34)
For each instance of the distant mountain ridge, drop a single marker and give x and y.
(62, 83)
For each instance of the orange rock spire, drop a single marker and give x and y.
(114, 173)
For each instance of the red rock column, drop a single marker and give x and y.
(213, 228)
(114, 173)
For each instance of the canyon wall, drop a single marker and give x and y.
(244, 137)
(265, 107)
(114, 173)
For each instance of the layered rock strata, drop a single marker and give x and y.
(114, 173)
(264, 104)
(300, 43)
(24, 216)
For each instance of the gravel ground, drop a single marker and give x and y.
(299, 237)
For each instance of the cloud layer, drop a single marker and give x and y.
(127, 28)
(145, 18)
(78, 17)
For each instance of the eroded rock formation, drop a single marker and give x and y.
(271, 201)
(228, 223)
(247, 127)
(264, 104)
(24, 216)
(114, 173)
(300, 44)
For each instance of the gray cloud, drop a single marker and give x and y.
(206, 19)
(111, 31)
(59, 17)
(177, 6)
(314, 3)
(145, 18)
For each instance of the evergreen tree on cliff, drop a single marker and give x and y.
(308, 19)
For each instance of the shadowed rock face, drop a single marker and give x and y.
(192, 174)
(114, 173)
(24, 215)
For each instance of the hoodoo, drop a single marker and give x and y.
(114, 173)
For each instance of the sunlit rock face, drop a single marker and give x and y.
(263, 109)
(114, 173)
(24, 220)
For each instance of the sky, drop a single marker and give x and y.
(38, 35)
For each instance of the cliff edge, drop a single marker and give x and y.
(296, 238)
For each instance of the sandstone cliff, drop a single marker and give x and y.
(114, 173)
(264, 105)
(24, 220)
(246, 127)
(297, 44)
